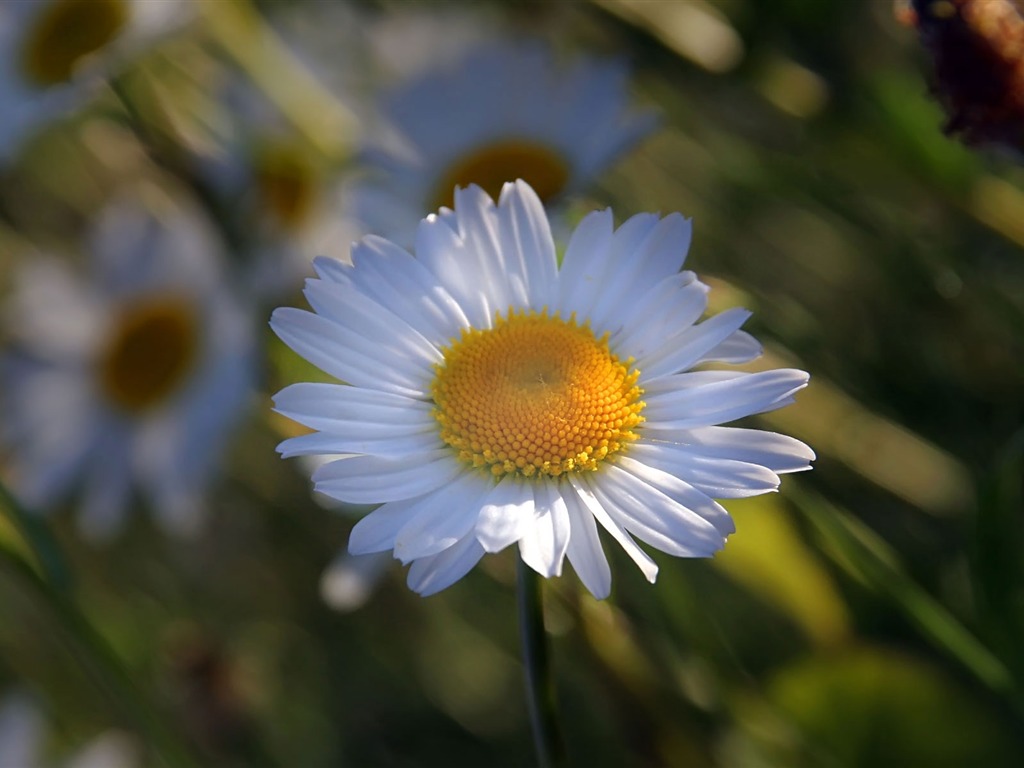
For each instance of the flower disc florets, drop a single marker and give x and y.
(535, 394)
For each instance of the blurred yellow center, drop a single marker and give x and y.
(151, 349)
(64, 33)
(492, 165)
(535, 395)
(288, 185)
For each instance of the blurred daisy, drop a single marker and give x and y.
(128, 376)
(287, 199)
(502, 112)
(283, 188)
(494, 397)
(22, 740)
(52, 51)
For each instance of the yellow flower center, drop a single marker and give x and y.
(152, 348)
(535, 395)
(64, 33)
(492, 165)
(288, 183)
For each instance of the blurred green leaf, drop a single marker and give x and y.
(866, 557)
(767, 556)
(35, 534)
(875, 708)
(997, 553)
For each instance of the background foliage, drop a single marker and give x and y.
(870, 614)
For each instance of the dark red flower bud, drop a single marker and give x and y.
(978, 51)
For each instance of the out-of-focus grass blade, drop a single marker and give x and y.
(96, 656)
(768, 557)
(310, 107)
(36, 535)
(866, 557)
(996, 563)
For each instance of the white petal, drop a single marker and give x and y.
(450, 515)
(527, 244)
(370, 324)
(779, 453)
(361, 420)
(402, 283)
(370, 444)
(584, 550)
(52, 311)
(312, 444)
(430, 575)
(456, 267)
(645, 251)
(739, 348)
(505, 514)
(672, 305)
(584, 489)
(717, 477)
(377, 531)
(545, 541)
(722, 401)
(627, 240)
(667, 385)
(345, 356)
(686, 348)
(329, 403)
(328, 268)
(373, 480)
(660, 509)
(106, 491)
(683, 493)
(580, 278)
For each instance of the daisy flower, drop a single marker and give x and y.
(52, 51)
(128, 376)
(502, 112)
(493, 396)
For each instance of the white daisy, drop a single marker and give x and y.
(504, 111)
(52, 52)
(128, 376)
(493, 396)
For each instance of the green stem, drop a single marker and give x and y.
(540, 689)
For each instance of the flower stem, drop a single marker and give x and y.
(540, 689)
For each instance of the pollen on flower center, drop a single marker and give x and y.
(535, 394)
(66, 32)
(149, 353)
(491, 165)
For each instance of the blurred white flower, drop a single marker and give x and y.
(504, 111)
(495, 397)
(283, 187)
(128, 376)
(349, 580)
(54, 52)
(22, 737)
(21, 731)
(289, 196)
